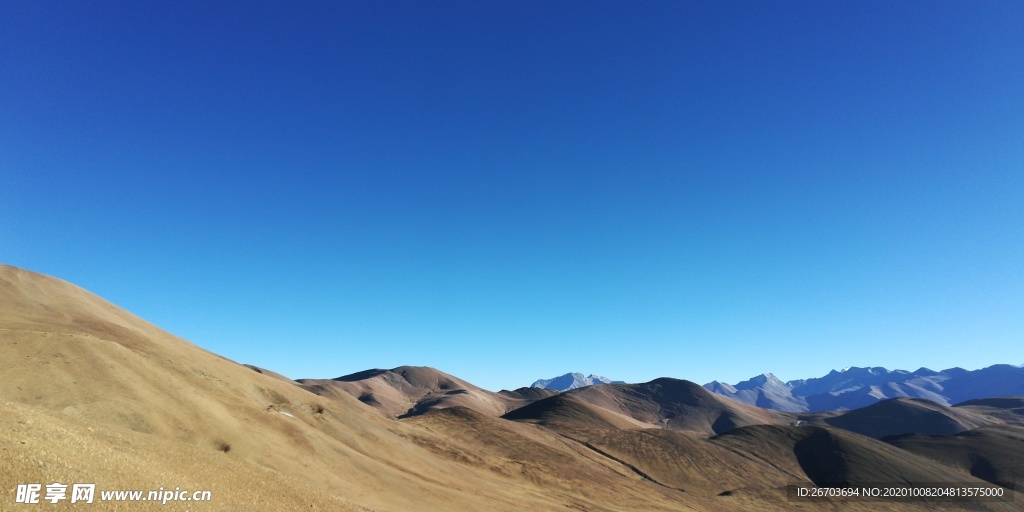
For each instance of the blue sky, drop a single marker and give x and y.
(512, 190)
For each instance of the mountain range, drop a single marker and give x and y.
(855, 387)
(572, 381)
(91, 393)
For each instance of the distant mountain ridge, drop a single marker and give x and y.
(855, 387)
(573, 381)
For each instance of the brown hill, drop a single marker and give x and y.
(1008, 409)
(558, 466)
(900, 416)
(1013, 403)
(683, 461)
(994, 454)
(765, 456)
(529, 393)
(829, 456)
(412, 390)
(567, 410)
(91, 393)
(678, 404)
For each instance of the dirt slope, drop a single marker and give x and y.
(133, 406)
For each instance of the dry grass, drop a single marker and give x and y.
(91, 394)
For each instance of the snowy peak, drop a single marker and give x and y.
(572, 381)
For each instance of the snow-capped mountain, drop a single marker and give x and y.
(855, 387)
(573, 381)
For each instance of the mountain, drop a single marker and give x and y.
(530, 394)
(566, 410)
(1010, 409)
(854, 387)
(411, 390)
(681, 436)
(830, 457)
(662, 403)
(900, 416)
(572, 381)
(92, 393)
(765, 391)
(994, 454)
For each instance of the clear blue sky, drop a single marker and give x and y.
(513, 190)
